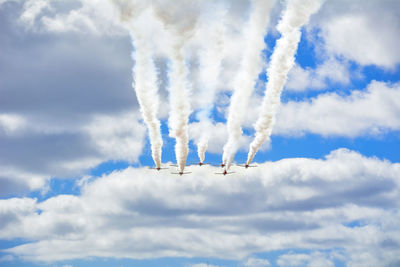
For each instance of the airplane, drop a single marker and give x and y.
(246, 166)
(224, 173)
(158, 168)
(180, 173)
(200, 164)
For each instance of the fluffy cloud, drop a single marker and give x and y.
(10, 123)
(293, 203)
(67, 104)
(202, 265)
(254, 262)
(364, 32)
(370, 112)
(331, 70)
(117, 138)
(63, 154)
(316, 259)
(32, 8)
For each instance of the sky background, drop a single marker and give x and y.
(75, 188)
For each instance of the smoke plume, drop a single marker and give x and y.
(146, 91)
(180, 21)
(210, 59)
(247, 76)
(144, 72)
(296, 14)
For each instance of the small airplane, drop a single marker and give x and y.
(180, 173)
(158, 168)
(199, 164)
(224, 173)
(247, 166)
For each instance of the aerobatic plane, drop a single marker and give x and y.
(199, 164)
(224, 173)
(158, 168)
(180, 173)
(247, 166)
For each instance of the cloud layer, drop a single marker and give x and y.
(346, 203)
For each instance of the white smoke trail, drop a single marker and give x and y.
(247, 76)
(296, 14)
(145, 73)
(180, 21)
(145, 84)
(210, 66)
(179, 105)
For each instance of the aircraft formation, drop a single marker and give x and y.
(180, 29)
(222, 165)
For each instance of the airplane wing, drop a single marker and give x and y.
(244, 166)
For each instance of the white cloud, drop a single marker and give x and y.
(370, 112)
(364, 32)
(203, 265)
(117, 137)
(13, 212)
(11, 123)
(105, 137)
(289, 204)
(97, 17)
(293, 260)
(32, 8)
(315, 259)
(255, 262)
(14, 180)
(332, 70)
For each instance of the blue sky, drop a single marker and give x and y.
(75, 188)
